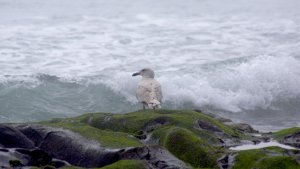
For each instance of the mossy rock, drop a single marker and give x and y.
(49, 167)
(285, 132)
(128, 164)
(136, 121)
(132, 123)
(176, 130)
(187, 147)
(71, 167)
(15, 163)
(122, 164)
(247, 159)
(278, 163)
(267, 158)
(106, 138)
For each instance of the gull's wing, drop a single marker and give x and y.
(158, 92)
(148, 90)
(143, 93)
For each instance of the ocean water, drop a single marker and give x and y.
(236, 58)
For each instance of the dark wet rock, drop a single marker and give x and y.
(75, 149)
(35, 133)
(18, 157)
(78, 151)
(224, 139)
(224, 120)
(8, 157)
(256, 142)
(161, 158)
(244, 128)
(266, 139)
(204, 125)
(36, 157)
(226, 161)
(141, 153)
(59, 163)
(155, 123)
(15, 163)
(206, 113)
(57, 143)
(141, 135)
(297, 157)
(144, 134)
(150, 140)
(156, 157)
(13, 138)
(292, 140)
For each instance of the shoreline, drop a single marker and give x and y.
(154, 139)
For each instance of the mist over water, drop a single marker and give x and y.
(237, 58)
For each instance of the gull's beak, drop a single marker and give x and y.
(135, 74)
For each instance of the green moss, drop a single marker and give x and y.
(188, 147)
(126, 164)
(49, 167)
(247, 159)
(177, 133)
(129, 123)
(135, 121)
(105, 138)
(282, 133)
(267, 158)
(278, 162)
(71, 167)
(162, 133)
(122, 164)
(15, 163)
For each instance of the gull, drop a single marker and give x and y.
(148, 90)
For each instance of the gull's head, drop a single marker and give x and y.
(146, 72)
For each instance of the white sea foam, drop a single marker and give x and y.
(262, 145)
(78, 56)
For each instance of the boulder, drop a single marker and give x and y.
(20, 157)
(204, 125)
(155, 123)
(292, 140)
(35, 133)
(13, 138)
(226, 161)
(155, 156)
(244, 128)
(69, 146)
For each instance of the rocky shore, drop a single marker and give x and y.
(161, 139)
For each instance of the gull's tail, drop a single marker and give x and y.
(153, 104)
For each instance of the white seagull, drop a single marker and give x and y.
(149, 90)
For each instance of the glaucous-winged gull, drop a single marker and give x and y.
(149, 90)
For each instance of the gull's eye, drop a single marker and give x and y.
(143, 70)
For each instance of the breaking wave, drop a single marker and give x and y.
(240, 58)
